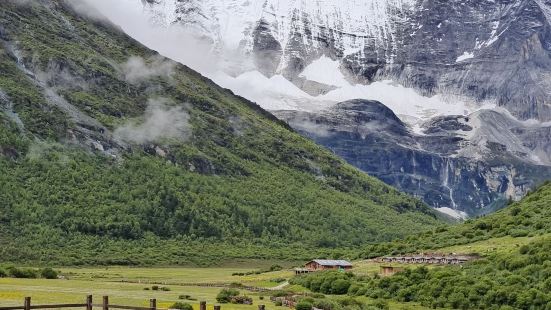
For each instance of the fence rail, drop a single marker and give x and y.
(105, 305)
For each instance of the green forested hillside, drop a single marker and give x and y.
(112, 154)
(513, 272)
(529, 217)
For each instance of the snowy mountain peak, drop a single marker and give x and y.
(230, 24)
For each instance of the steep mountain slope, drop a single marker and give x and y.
(468, 163)
(425, 60)
(110, 153)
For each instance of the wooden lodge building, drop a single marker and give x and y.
(324, 264)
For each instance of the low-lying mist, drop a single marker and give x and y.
(161, 121)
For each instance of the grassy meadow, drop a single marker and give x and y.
(133, 285)
(127, 286)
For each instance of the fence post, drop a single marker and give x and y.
(105, 303)
(27, 304)
(153, 304)
(216, 307)
(89, 302)
(203, 305)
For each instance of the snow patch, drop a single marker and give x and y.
(325, 71)
(274, 93)
(407, 103)
(465, 56)
(459, 215)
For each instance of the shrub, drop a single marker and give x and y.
(165, 289)
(188, 297)
(24, 273)
(276, 268)
(340, 286)
(225, 295)
(326, 304)
(146, 288)
(278, 303)
(518, 233)
(303, 305)
(181, 306)
(3, 273)
(277, 280)
(155, 287)
(524, 249)
(48, 273)
(515, 211)
(381, 304)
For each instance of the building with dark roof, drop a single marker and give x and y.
(328, 264)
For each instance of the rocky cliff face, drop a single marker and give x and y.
(486, 50)
(491, 53)
(454, 163)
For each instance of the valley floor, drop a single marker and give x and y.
(127, 285)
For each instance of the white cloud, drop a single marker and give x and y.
(160, 121)
(136, 69)
(173, 42)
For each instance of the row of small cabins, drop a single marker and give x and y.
(327, 264)
(427, 259)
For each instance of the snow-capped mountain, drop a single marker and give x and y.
(486, 49)
(432, 63)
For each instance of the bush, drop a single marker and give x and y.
(277, 280)
(303, 305)
(23, 273)
(48, 273)
(3, 273)
(155, 287)
(278, 303)
(225, 295)
(326, 304)
(188, 297)
(340, 287)
(146, 288)
(276, 268)
(381, 304)
(165, 289)
(181, 306)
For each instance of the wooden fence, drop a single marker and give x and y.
(105, 305)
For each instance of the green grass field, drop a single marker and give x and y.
(13, 291)
(126, 285)
(502, 245)
(175, 276)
